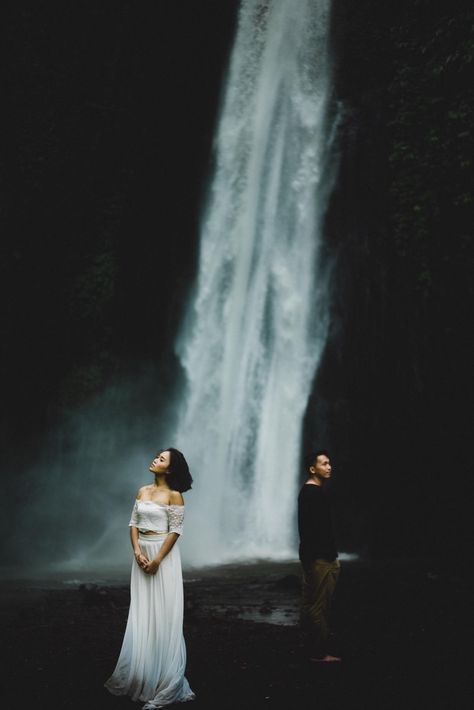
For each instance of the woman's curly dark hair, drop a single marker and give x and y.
(179, 476)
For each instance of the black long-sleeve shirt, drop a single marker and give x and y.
(315, 525)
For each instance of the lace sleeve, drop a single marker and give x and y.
(134, 519)
(175, 518)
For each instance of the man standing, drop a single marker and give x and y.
(318, 555)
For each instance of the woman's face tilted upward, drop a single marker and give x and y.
(161, 462)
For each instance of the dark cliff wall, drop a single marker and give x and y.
(110, 112)
(390, 398)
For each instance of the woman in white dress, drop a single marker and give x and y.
(152, 660)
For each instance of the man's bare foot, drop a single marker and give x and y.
(326, 659)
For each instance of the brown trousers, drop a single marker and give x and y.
(319, 581)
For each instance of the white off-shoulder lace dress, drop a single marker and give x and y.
(152, 660)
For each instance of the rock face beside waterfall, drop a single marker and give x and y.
(390, 397)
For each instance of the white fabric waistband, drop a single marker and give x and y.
(152, 536)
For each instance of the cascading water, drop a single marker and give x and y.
(257, 323)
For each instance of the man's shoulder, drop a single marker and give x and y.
(307, 486)
(308, 489)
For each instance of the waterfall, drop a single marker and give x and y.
(256, 325)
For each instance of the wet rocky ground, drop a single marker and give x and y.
(403, 628)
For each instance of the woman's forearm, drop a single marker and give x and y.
(166, 546)
(134, 540)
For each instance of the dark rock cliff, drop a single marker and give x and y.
(391, 396)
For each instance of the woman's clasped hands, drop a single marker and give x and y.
(141, 559)
(151, 567)
(148, 566)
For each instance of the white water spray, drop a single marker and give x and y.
(257, 325)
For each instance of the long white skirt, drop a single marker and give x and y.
(152, 660)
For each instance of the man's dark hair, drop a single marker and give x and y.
(312, 456)
(179, 477)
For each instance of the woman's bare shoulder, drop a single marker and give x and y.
(176, 498)
(142, 491)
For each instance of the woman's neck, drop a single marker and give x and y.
(160, 481)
